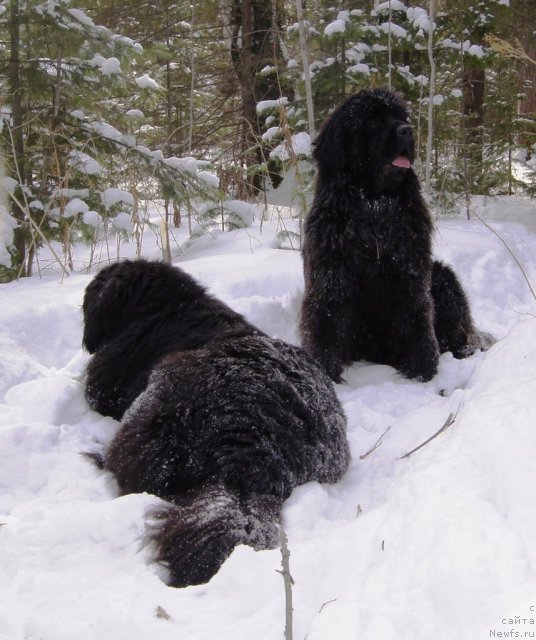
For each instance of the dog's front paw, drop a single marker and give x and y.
(332, 366)
(328, 357)
(421, 364)
(334, 370)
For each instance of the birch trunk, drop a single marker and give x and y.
(15, 90)
(428, 166)
(306, 72)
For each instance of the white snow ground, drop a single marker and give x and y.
(440, 545)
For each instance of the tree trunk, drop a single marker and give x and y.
(473, 81)
(242, 55)
(306, 72)
(431, 93)
(192, 81)
(15, 90)
(254, 44)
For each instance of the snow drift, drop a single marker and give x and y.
(440, 544)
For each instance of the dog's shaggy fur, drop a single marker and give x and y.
(372, 289)
(218, 419)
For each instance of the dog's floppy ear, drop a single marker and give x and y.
(330, 142)
(103, 305)
(113, 299)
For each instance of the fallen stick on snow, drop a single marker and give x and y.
(516, 260)
(288, 581)
(376, 445)
(448, 422)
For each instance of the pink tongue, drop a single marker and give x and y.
(401, 161)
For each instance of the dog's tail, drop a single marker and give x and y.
(193, 537)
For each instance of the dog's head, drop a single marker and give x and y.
(367, 141)
(131, 291)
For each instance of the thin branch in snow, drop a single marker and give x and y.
(326, 603)
(448, 422)
(522, 313)
(288, 581)
(516, 260)
(377, 444)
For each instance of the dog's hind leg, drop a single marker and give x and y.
(453, 325)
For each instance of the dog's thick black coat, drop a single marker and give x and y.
(372, 289)
(218, 419)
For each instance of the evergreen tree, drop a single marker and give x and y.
(95, 124)
(71, 130)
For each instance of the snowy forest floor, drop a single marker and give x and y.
(439, 545)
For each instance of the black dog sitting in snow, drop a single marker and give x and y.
(372, 290)
(217, 418)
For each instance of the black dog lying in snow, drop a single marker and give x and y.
(217, 418)
(372, 289)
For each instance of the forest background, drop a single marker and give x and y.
(205, 106)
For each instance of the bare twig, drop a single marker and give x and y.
(516, 260)
(41, 235)
(448, 422)
(326, 603)
(288, 581)
(377, 444)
